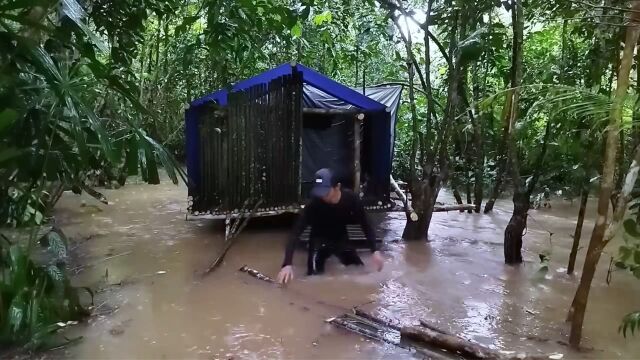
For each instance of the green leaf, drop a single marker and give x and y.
(17, 311)
(96, 125)
(625, 253)
(150, 164)
(296, 30)
(630, 322)
(171, 166)
(57, 246)
(75, 12)
(58, 279)
(322, 18)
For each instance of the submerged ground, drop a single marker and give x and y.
(160, 307)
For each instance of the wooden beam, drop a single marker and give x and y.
(357, 139)
(314, 111)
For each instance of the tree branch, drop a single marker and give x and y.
(537, 166)
(595, 6)
(424, 26)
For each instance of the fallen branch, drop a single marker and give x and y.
(81, 267)
(94, 194)
(401, 195)
(256, 274)
(232, 237)
(67, 343)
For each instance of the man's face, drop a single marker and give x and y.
(333, 196)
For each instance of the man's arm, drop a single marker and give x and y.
(297, 230)
(363, 220)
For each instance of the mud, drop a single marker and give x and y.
(147, 260)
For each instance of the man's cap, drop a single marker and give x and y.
(323, 183)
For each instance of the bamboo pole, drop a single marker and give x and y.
(357, 139)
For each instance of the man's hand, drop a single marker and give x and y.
(377, 260)
(285, 275)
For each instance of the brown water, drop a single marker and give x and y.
(458, 281)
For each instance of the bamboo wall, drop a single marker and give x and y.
(252, 152)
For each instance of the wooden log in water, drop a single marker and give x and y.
(458, 345)
(453, 207)
(427, 325)
(374, 319)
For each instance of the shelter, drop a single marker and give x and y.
(260, 142)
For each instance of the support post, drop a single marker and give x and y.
(357, 139)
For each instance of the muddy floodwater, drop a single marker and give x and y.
(145, 259)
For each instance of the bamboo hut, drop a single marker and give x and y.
(261, 141)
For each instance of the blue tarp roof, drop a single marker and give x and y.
(309, 76)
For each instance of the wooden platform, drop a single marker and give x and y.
(356, 236)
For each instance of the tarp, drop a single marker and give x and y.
(389, 96)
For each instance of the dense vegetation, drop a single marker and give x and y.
(500, 96)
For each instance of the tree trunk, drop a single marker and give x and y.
(424, 199)
(469, 197)
(584, 198)
(476, 122)
(515, 229)
(596, 244)
(456, 195)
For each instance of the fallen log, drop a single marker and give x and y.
(458, 345)
(377, 329)
(460, 207)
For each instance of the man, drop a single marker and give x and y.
(328, 213)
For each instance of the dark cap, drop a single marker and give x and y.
(323, 183)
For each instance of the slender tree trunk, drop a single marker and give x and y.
(418, 197)
(597, 242)
(515, 229)
(457, 196)
(476, 123)
(468, 183)
(425, 192)
(502, 163)
(584, 198)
